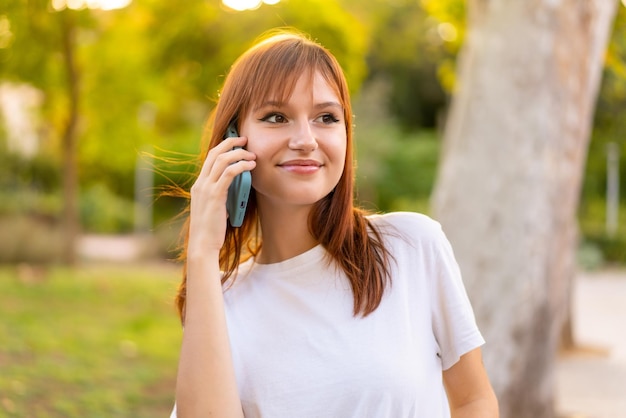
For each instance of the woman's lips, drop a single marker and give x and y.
(301, 166)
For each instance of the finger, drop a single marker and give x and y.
(226, 159)
(225, 146)
(223, 172)
(230, 172)
(235, 141)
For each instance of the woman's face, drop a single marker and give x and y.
(300, 144)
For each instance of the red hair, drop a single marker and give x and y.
(271, 68)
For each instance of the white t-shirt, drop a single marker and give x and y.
(299, 351)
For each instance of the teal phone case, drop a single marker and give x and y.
(238, 191)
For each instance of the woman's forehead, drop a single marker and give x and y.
(280, 91)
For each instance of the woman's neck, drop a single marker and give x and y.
(285, 233)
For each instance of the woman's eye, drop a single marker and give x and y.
(329, 118)
(274, 118)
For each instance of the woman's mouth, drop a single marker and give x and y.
(301, 166)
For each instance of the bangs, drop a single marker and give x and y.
(287, 61)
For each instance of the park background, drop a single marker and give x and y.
(102, 109)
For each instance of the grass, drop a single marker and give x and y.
(97, 341)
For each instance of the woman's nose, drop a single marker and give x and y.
(303, 138)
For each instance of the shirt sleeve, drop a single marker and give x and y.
(454, 323)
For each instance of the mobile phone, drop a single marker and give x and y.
(239, 189)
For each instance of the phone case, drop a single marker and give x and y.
(238, 191)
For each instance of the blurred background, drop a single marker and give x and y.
(102, 105)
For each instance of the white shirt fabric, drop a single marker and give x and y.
(299, 351)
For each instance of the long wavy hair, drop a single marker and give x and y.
(271, 68)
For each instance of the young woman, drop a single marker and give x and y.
(313, 308)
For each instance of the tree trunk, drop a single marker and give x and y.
(69, 139)
(510, 175)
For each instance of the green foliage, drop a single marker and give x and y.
(396, 169)
(448, 22)
(99, 341)
(610, 123)
(29, 239)
(408, 171)
(104, 212)
(416, 97)
(609, 127)
(414, 48)
(17, 172)
(29, 209)
(448, 12)
(592, 215)
(613, 249)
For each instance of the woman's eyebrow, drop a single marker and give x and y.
(270, 103)
(329, 104)
(279, 104)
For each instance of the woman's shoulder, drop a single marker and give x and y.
(412, 224)
(415, 229)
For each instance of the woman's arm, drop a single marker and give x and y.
(206, 380)
(469, 391)
(205, 385)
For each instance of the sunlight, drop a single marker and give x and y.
(241, 5)
(90, 4)
(6, 36)
(447, 32)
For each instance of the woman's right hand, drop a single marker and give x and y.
(208, 215)
(206, 383)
